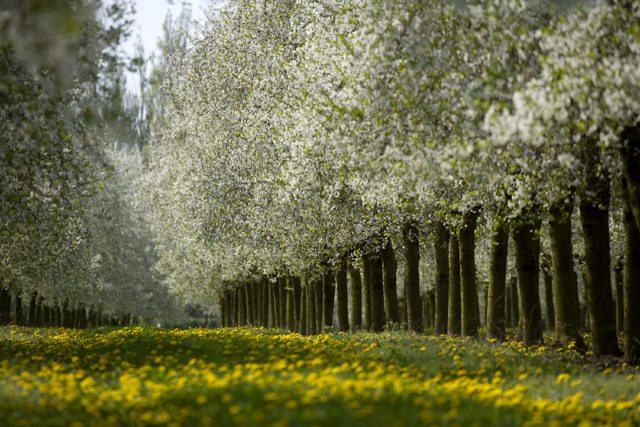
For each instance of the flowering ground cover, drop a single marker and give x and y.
(145, 376)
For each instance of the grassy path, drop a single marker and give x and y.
(138, 376)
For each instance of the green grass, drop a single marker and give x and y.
(149, 376)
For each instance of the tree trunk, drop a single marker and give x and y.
(468, 290)
(631, 281)
(311, 309)
(297, 301)
(356, 298)
(630, 153)
(564, 285)
(17, 311)
(454, 325)
(524, 236)
(302, 325)
(496, 314)
(223, 310)
(5, 306)
(549, 314)
(619, 292)
(273, 304)
(249, 297)
(46, 316)
(378, 319)
(256, 305)
(594, 211)
(264, 285)
(282, 305)
(366, 290)
(242, 306)
(431, 298)
(31, 314)
(319, 294)
(343, 296)
(441, 243)
(289, 311)
(390, 269)
(328, 298)
(411, 236)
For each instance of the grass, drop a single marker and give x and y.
(149, 376)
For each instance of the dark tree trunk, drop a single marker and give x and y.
(46, 316)
(5, 306)
(249, 297)
(412, 277)
(512, 303)
(302, 325)
(264, 286)
(273, 304)
(282, 298)
(319, 294)
(366, 290)
(378, 319)
(594, 211)
(328, 298)
(619, 293)
(496, 314)
(32, 313)
(17, 311)
(342, 291)
(297, 301)
(441, 243)
(402, 305)
(256, 291)
(290, 310)
(454, 325)
(524, 236)
(631, 281)
(264, 300)
(565, 289)
(390, 269)
(468, 291)
(230, 310)
(549, 313)
(242, 306)
(630, 153)
(311, 309)
(356, 298)
(223, 310)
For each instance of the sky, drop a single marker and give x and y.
(149, 17)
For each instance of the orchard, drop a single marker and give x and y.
(335, 174)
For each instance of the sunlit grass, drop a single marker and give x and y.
(138, 376)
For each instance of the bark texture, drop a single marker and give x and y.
(328, 298)
(496, 292)
(378, 318)
(356, 298)
(412, 278)
(455, 316)
(564, 285)
(441, 246)
(342, 296)
(530, 322)
(366, 290)
(631, 281)
(390, 269)
(594, 212)
(468, 290)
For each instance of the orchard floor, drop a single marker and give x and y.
(249, 377)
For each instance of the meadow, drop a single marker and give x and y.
(196, 377)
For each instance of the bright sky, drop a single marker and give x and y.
(149, 17)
